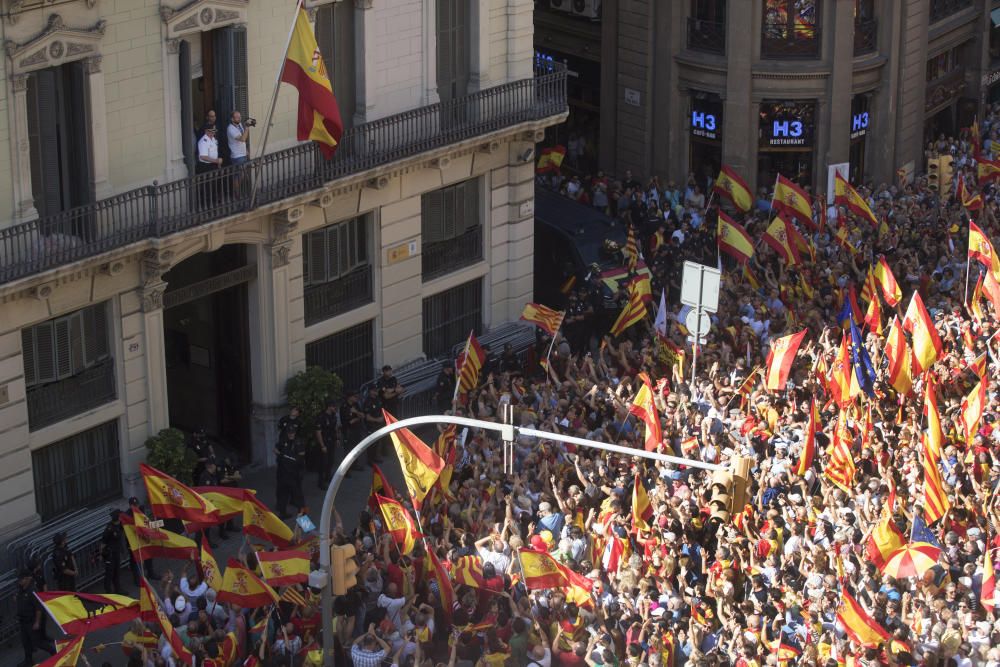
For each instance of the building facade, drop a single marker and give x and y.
(139, 291)
(673, 88)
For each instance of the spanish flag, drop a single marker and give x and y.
(844, 386)
(859, 626)
(283, 568)
(380, 487)
(399, 524)
(633, 312)
(264, 524)
(976, 302)
(936, 503)
(733, 239)
(643, 407)
(146, 542)
(935, 435)
(730, 185)
(987, 170)
(420, 465)
(988, 593)
(147, 602)
(873, 317)
(780, 358)
(792, 200)
(809, 446)
(469, 363)
(319, 116)
(778, 237)
(209, 566)
(883, 540)
(752, 280)
(926, 342)
(169, 499)
(435, 571)
(846, 195)
(228, 500)
(981, 249)
(898, 354)
(550, 159)
(970, 203)
(543, 317)
(992, 289)
(80, 613)
(154, 613)
(540, 570)
(243, 588)
(972, 410)
(642, 510)
(67, 655)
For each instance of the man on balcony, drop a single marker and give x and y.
(237, 135)
(208, 160)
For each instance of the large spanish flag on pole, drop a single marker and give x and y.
(67, 656)
(730, 185)
(418, 462)
(399, 524)
(981, 249)
(540, 570)
(926, 342)
(780, 358)
(319, 116)
(282, 568)
(792, 200)
(858, 624)
(644, 408)
(898, 355)
(243, 588)
(846, 195)
(169, 499)
(733, 239)
(80, 613)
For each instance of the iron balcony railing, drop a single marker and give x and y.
(942, 9)
(442, 257)
(55, 401)
(161, 209)
(797, 42)
(707, 36)
(865, 36)
(338, 296)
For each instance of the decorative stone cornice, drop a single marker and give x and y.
(281, 254)
(151, 296)
(285, 222)
(154, 264)
(202, 15)
(55, 45)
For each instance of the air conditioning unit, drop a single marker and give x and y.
(561, 5)
(590, 9)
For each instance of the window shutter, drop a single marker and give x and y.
(470, 212)
(333, 261)
(61, 345)
(449, 213)
(95, 333)
(45, 352)
(77, 345)
(28, 356)
(344, 61)
(241, 84)
(76, 134)
(431, 214)
(462, 49)
(315, 258)
(445, 50)
(230, 46)
(363, 240)
(46, 173)
(188, 129)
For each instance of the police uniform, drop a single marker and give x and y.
(285, 422)
(351, 424)
(288, 485)
(373, 422)
(111, 554)
(390, 403)
(327, 426)
(202, 452)
(62, 560)
(28, 611)
(445, 389)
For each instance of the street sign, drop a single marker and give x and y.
(156, 523)
(698, 322)
(700, 286)
(701, 340)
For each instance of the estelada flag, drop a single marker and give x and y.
(318, 116)
(146, 542)
(209, 566)
(399, 524)
(972, 410)
(780, 358)
(779, 239)
(643, 407)
(435, 571)
(926, 342)
(540, 570)
(418, 462)
(809, 447)
(169, 499)
(550, 159)
(730, 185)
(642, 510)
(264, 524)
(859, 626)
(544, 317)
(733, 239)
(67, 655)
(883, 540)
(846, 195)
(987, 170)
(243, 588)
(80, 613)
(228, 500)
(792, 200)
(981, 249)
(282, 568)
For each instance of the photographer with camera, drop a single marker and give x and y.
(237, 134)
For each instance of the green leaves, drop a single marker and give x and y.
(309, 390)
(167, 452)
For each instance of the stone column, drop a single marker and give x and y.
(739, 113)
(429, 27)
(838, 112)
(154, 264)
(98, 127)
(364, 35)
(607, 154)
(479, 56)
(24, 203)
(176, 169)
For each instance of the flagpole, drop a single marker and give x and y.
(274, 101)
(458, 371)
(548, 355)
(965, 294)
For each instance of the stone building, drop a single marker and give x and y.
(135, 294)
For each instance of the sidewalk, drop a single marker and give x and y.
(350, 501)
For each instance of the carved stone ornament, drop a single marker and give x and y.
(283, 224)
(154, 264)
(281, 254)
(152, 296)
(55, 45)
(202, 15)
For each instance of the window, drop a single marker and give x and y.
(68, 367)
(80, 471)
(450, 316)
(452, 48)
(335, 36)
(865, 27)
(945, 63)
(58, 139)
(707, 26)
(336, 269)
(348, 353)
(451, 229)
(942, 9)
(790, 29)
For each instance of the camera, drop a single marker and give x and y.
(251, 122)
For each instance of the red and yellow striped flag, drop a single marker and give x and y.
(936, 503)
(858, 624)
(435, 571)
(210, 572)
(935, 435)
(792, 200)
(283, 568)
(972, 410)
(809, 446)
(927, 345)
(644, 408)
(631, 250)
(146, 542)
(80, 613)
(988, 593)
(642, 510)
(470, 363)
(243, 588)
(780, 358)
(262, 523)
(169, 499)
(846, 195)
(543, 317)
(883, 540)
(633, 312)
(399, 524)
(418, 462)
(840, 469)
(887, 283)
(779, 238)
(540, 570)
(897, 353)
(730, 184)
(734, 240)
(67, 655)
(982, 250)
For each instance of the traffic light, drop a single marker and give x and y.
(934, 174)
(343, 568)
(741, 483)
(720, 502)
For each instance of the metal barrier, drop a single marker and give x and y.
(520, 335)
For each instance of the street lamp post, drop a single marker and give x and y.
(507, 434)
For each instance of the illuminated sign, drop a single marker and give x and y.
(706, 119)
(859, 124)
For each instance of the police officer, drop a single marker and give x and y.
(111, 552)
(352, 421)
(290, 456)
(389, 390)
(373, 421)
(29, 619)
(444, 390)
(326, 442)
(146, 566)
(203, 452)
(63, 564)
(294, 417)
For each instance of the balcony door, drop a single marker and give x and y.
(59, 139)
(452, 56)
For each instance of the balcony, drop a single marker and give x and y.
(161, 209)
(865, 37)
(338, 296)
(801, 42)
(706, 36)
(942, 9)
(55, 401)
(442, 257)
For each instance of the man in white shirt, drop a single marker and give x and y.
(208, 151)
(237, 135)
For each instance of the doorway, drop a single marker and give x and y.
(207, 347)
